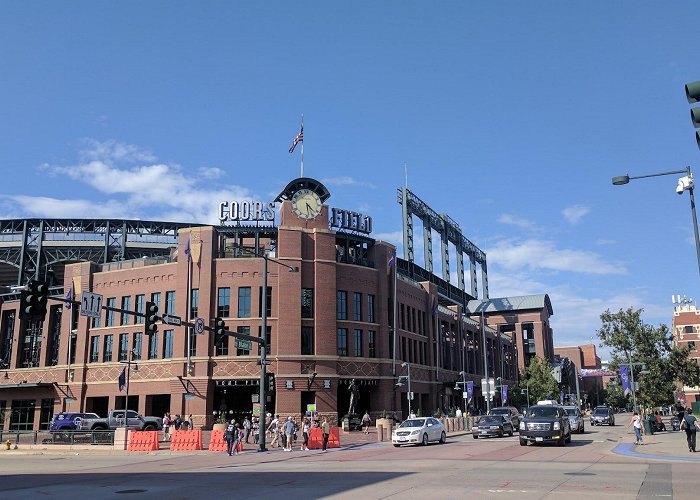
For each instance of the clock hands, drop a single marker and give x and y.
(308, 208)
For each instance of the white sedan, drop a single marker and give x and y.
(419, 430)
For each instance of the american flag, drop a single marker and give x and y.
(299, 138)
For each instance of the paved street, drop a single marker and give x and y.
(464, 467)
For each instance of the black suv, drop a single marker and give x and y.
(68, 421)
(510, 412)
(545, 423)
(603, 415)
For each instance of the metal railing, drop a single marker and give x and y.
(100, 437)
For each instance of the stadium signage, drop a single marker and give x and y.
(352, 221)
(256, 211)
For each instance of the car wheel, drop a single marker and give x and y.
(443, 438)
(475, 437)
(523, 442)
(511, 433)
(424, 442)
(592, 424)
(396, 445)
(149, 428)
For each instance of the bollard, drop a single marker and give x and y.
(8, 444)
(380, 433)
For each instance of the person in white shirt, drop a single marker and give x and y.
(636, 423)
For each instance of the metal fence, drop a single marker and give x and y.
(60, 437)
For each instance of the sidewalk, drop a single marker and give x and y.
(669, 445)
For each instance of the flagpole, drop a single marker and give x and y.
(302, 146)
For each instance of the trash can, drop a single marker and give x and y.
(647, 427)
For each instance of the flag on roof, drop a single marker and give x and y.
(299, 138)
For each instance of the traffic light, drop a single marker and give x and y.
(33, 300)
(219, 331)
(151, 318)
(692, 92)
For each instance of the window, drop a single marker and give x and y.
(153, 346)
(223, 303)
(3, 406)
(140, 307)
(96, 322)
(357, 341)
(22, 414)
(111, 302)
(221, 349)
(307, 302)
(307, 340)
(244, 302)
(138, 345)
(155, 298)
(691, 346)
(370, 308)
(167, 344)
(45, 413)
(126, 304)
(372, 343)
(268, 304)
(357, 306)
(342, 341)
(194, 303)
(268, 338)
(246, 331)
(342, 305)
(170, 302)
(123, 346)
(6, 338)
(107, 353)
(402, 317)
(94, 349)
(688, 329)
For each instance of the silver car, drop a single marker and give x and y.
(420, 430)
(575, 419)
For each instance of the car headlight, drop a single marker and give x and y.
(415, 432)
(522, 425)
(557, 426)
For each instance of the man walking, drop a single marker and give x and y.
(231, 437)
(325, 429)
(289, 430)
(274, 430)
(690, 425)
(246, 427)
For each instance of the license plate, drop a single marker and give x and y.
(403, 439)
(484, 432)
(539, 439)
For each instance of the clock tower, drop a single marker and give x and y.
(303, 204)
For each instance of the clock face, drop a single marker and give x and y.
(306, 204)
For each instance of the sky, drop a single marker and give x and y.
(511, 117)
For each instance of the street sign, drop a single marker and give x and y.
(465, 395)
(244, 344)
(410, 395)
(91, 304)
(169, 319)
(198, 326)
(267, 362)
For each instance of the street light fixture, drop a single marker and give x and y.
(684, 184)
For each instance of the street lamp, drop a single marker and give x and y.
(684, 184)
(263, 332)
(409, 394)
(131, 357)
(463, 383)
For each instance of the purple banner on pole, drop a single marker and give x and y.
(504, 393)
(625, 377)
(470, 390)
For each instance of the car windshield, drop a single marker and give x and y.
(600, 411)
(571, 411)
(542, 411)
(413, 423)
(490, 420)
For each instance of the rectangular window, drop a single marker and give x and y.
(111, 302)
(194, 303)
(357, 306)
(107, 353)
(22, 415)
(244, 302)
(246, 331)
(123, 346)
(45, 413)
(268, 304)
(140, 307)
(170, 302)
(96, 322)
(342, 341)
(126, 304)
(342, 305)
(138, 345)
(167, 344)
(155, 298)
(307, 340)
(153, 346)
(402, 317)
(94, 349)
(3, 408)
(357, 341)
(268, 338)
(221, 348)
(691, 346)
(370, 308)
(223, 303)
(372, 343)
(307, 302)
(688, 329)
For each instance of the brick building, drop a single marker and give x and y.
(686, 332)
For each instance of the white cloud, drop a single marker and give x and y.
(114, 151)
(394, 237)
(210, 173)
(514, 220)
(575, 213)
(535, 254)
(346, 181)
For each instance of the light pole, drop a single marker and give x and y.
(463, 383)
(263, 332)
(527, 392)
(409, 395)
(631, 372)
(684, 184)
(487, 396)
(129, 358)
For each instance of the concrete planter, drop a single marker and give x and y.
(218, 427)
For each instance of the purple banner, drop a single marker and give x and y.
(504, 393)
(625, 377)
(470, 390)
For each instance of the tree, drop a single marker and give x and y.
(613, 395)
(633, 341)
(539, 379)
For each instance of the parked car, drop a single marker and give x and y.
(68, 421)
(602, 415)
(575, 419)
(492, 425)
(545, 423)
(115, 419)
(419, 430)
(509, 411)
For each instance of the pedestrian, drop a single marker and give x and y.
(274, 432)
(246, 427)
(166, 426)
(305, 432)
(636, 423)
(660, 426)
(256, 430)
(190, 422)
(282, 434)
(289, 431)
(458, 413)
(325, 429)
(230, 435)
(366, 421)
(178, 422)
(690, 425)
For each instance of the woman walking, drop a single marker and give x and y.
(305, 431)
(690, 425)
(636, 423)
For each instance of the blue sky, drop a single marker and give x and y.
(511, 117)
